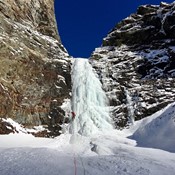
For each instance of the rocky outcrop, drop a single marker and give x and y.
(34, 66)
(136, 63)
(38, 14)
(6, 128)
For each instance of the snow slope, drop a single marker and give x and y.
(110, 152)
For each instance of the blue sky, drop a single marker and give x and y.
(83, 24)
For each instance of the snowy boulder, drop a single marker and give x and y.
(158, 132)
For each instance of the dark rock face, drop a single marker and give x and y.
(136, 63)
(34, 66)
(39, 14)
(150, 23)
(6, 128)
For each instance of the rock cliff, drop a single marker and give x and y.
(136, 63)
(34, 66)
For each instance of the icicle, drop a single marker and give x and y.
(130, 107)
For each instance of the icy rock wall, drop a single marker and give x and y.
(34, 66)
(89, 101)
(138, 55)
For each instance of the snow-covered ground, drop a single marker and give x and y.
(109, 153)
(157, 131)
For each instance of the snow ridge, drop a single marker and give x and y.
(157, 131)
(89, 101)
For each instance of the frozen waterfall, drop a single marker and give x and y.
(89, 101)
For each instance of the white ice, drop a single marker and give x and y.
(130, 107)
(89, 101)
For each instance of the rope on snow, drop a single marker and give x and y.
(75, 165)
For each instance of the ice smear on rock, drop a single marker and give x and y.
(89, 101)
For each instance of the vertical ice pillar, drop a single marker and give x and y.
(130, 107)
(89, 101)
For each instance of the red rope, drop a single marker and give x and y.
(75, 165)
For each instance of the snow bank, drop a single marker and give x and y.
(158, 131)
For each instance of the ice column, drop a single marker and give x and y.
(89, 101)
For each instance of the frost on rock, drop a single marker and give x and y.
(130, 107)
(138, 55)
(89, 101)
